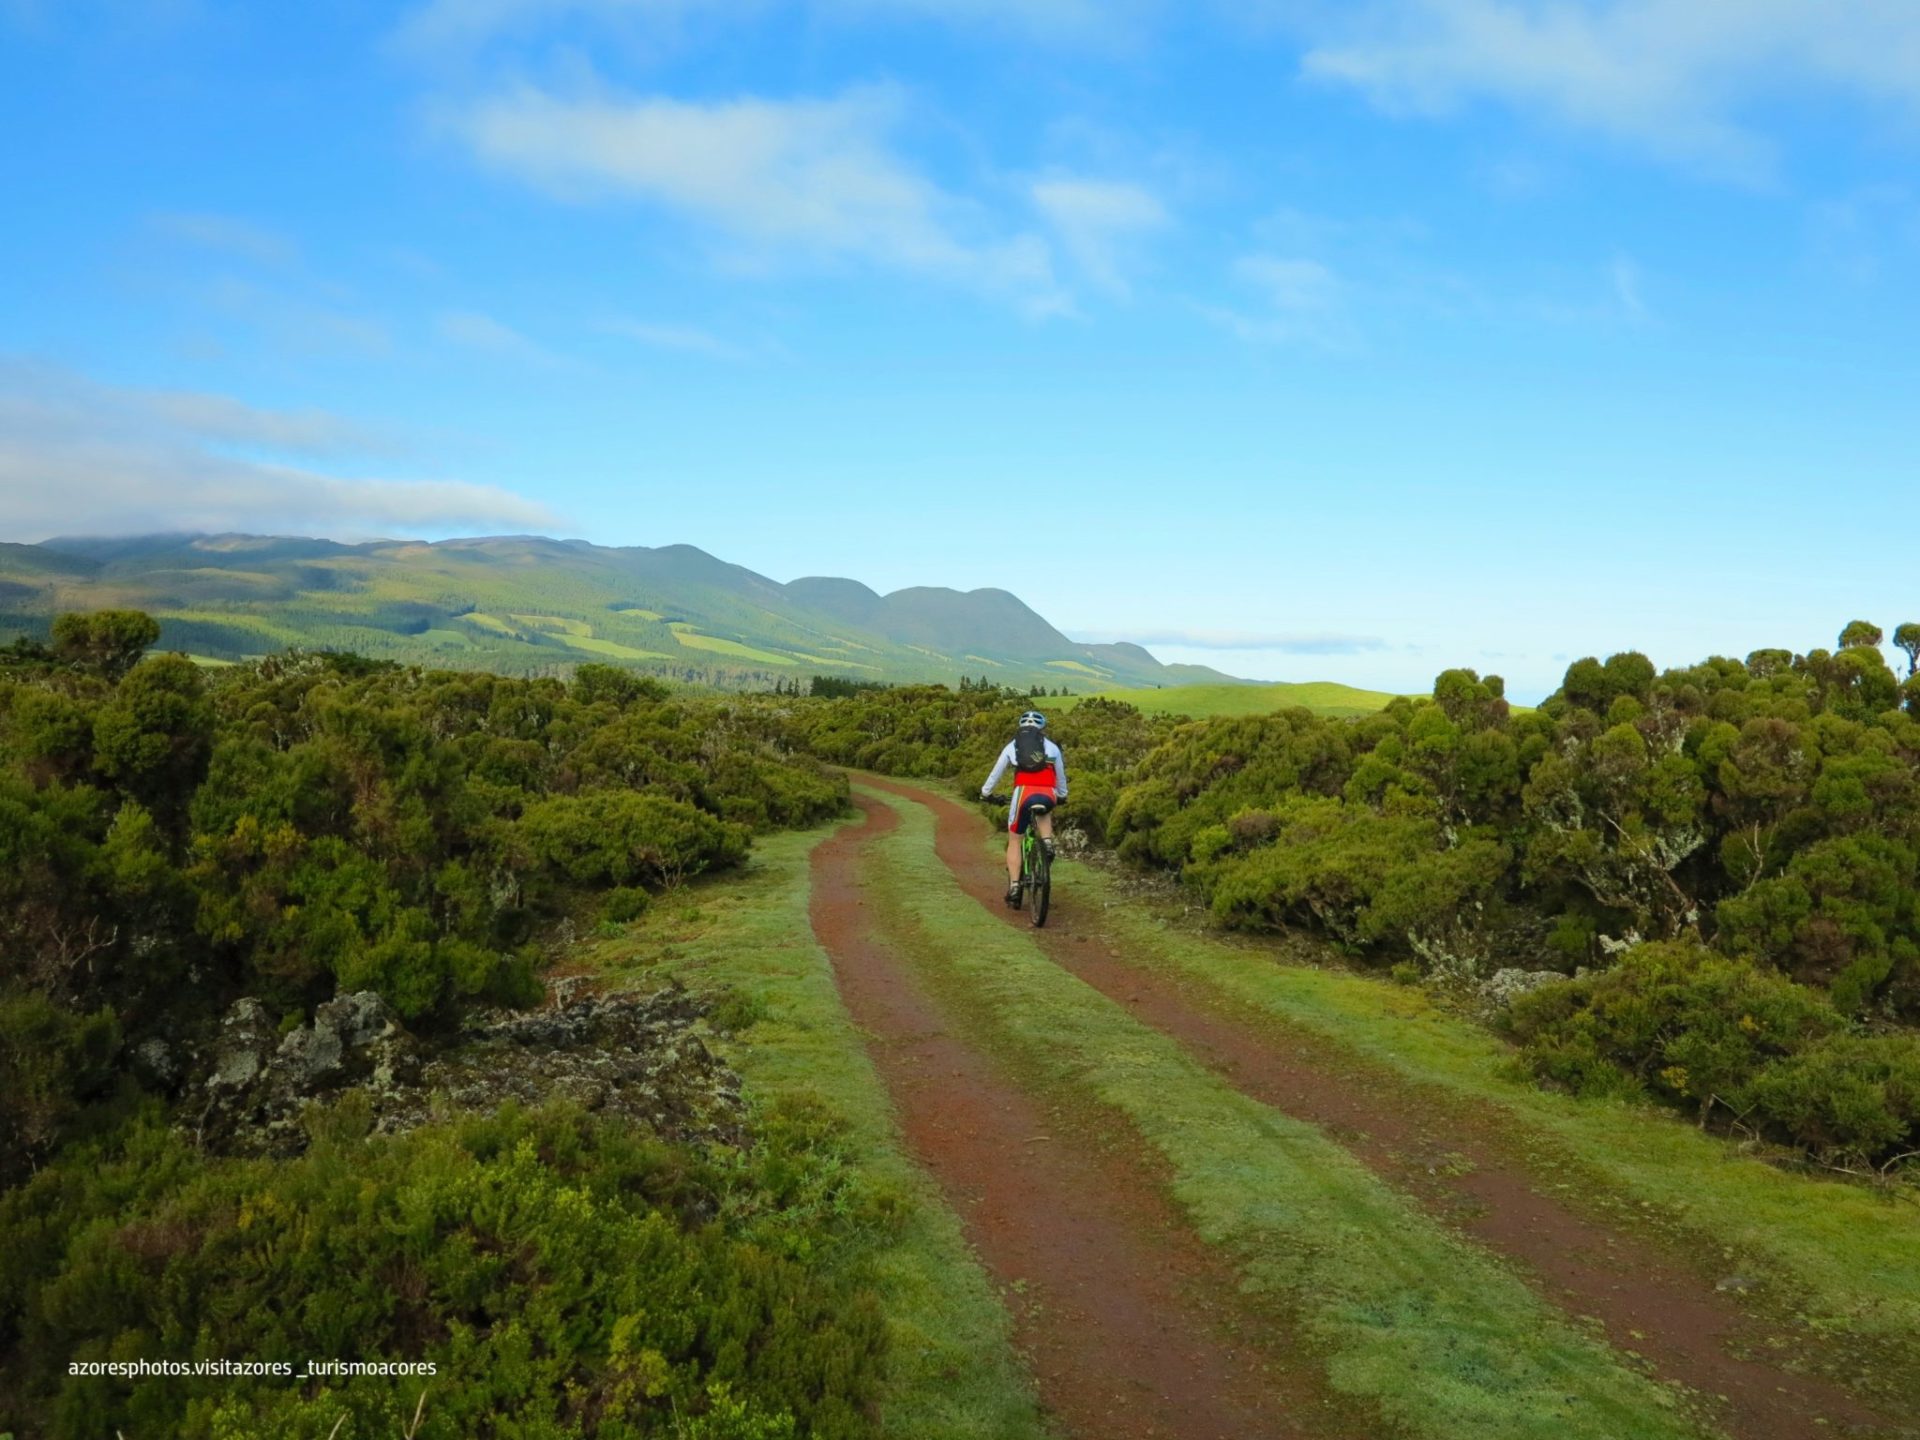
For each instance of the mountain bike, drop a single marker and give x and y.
(1036, 862)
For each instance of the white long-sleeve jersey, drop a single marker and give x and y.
(1001, 766)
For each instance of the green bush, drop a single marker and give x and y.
(625, 903)
(559, 1271)
(52, 1062)
(1367, 879)
(617, 837)
(1850, 1099)
(1675, 1020)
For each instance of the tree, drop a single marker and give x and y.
(1907, 638)
(108, 641)
(1860, 633)
(152, 739)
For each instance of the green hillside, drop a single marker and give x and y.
(530, 605)
(1323, 697)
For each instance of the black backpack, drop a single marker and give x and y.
(1030, 750)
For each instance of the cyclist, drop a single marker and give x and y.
(1039, 773)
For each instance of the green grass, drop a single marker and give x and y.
(555, 624)
(1204, 702)
(612, 648)
(1841, 1258)
(694, 640)
(952, 1374)
(1440, 1336)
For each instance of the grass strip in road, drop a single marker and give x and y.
(1840, 1258)
(1439, 1335)
(952, 1371)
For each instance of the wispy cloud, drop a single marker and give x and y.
(1282, 642)
(682, 339)
(297, 322)
(221, 419)
(1299, 299)
(440, 26)
(1099, 222)
(477, 331)
(1857, 236)
(1626, 287)
(1673, 77)
(77, 456)
(227, 235)
(810, 179)
(1099, 24)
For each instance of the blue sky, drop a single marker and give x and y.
(1339, 340)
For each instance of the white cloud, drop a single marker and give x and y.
(1104, 24)
(477, 331)
(1098, 221)
(221, 419)
(228, 235)
(1626, 287)
(813, 178)
(442, 26)
(1858, 236)
(80, 457)
(1301, 299)
(1670, 76)
(1290, 283)
(298, 323)
(684, 339)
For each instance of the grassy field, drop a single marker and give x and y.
(1203, 702)
(1434, 1333)
(952, 1374)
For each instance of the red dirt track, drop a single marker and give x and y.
(1106, 1290)
(1649, 1303)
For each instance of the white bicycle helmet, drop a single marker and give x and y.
(1033, 718)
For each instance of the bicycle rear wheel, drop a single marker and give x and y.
(1040, 885)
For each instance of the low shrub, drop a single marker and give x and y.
(52, 1062)
(618, 837)
(557, 1270)
(1849, 1099)
(625, 903)
(1365, 878)
(1672, 1019)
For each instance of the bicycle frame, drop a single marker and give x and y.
(1036, 871)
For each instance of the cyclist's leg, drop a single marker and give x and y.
(1013, 841)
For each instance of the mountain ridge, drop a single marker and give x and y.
(532, 602)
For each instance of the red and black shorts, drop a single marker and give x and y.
(1031, 791)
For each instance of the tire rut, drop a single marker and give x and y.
(1650, 1305)
(1105, 1286)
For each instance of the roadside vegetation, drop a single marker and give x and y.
(173, 840)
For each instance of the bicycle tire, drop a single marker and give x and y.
(1040, 895)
